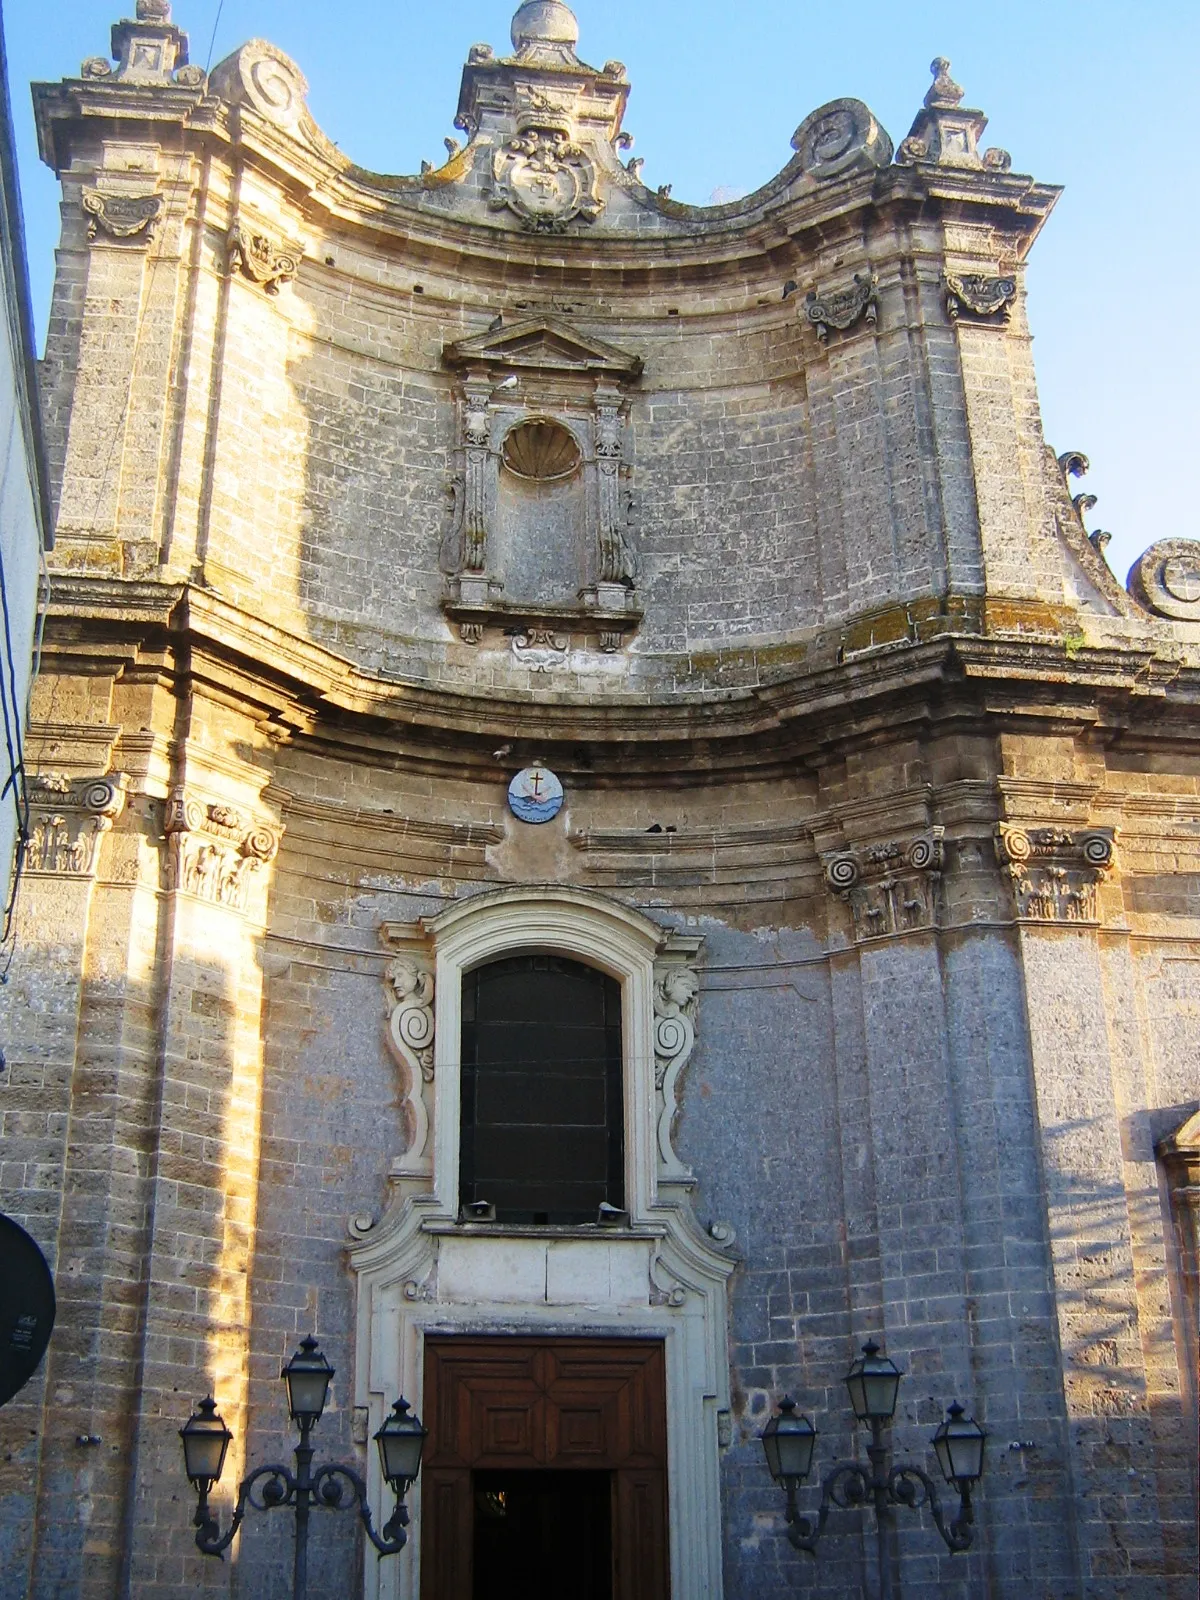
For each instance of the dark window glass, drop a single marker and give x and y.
(542, 1123)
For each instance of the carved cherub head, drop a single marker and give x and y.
(679, 987)
(408, 981)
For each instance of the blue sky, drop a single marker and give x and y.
(1098, 97)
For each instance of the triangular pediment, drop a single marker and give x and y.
(544, 344)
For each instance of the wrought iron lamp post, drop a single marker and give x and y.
(789, 1441)
(338, 1488)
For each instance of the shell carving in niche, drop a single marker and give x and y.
(541, 450)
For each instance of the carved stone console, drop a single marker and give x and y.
(409, 988)
(121, 217)
(979, 296)
(840, 309)
(215, 850)
(1055, 872)
(253, 253)
(539, 542)
(893, 887)
(67, 819)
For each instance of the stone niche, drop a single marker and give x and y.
(540, 541)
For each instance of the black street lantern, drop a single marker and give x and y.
(874, 1383)
(336, 1488)
(205, 1445)
(401, 1441)
(307, 1376)
(788, 1441)
(959, 1446)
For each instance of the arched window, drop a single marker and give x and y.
(542, 1135)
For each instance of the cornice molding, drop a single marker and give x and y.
(303, 689)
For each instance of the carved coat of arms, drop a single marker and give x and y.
(546, 179)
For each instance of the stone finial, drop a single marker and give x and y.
(946, 133)
(544, 22)
(149, 49)
(944, 93)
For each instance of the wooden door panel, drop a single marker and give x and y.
(640, 1536)
(506, 1430)
(447, 1534)
(562, 1404)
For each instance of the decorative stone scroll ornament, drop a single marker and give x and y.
(264, 79)
(979, 295)
(67, 819)
(1166, 579)
(545, 179)
(1055, 871)
(676, 990)
(840, 139)
(411, 1040)
(890, 888)
(216, 851)
(842, 308)
(120, 216)
(258, 258)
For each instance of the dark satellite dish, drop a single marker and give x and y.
(26, 1308)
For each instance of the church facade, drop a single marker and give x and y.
(603, 833)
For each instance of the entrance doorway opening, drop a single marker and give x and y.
(545, 1472)
(543, 1535)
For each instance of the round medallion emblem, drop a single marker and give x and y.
(1182, 577)
(535, 795)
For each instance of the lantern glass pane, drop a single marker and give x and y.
(881, 1390)
(858, 1398)
(306, 1393)
(796, 1452)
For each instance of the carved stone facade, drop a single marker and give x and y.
(842, 308)
(257, 257)
(67, 819)
(216, 851)
(879, 809)
(979, 295)
(890, 887)
(120, 216)
(1055, 872)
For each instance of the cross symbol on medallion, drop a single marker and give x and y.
(536, 779)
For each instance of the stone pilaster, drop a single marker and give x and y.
(205, 1186)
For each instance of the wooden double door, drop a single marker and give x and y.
(545, 1473)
